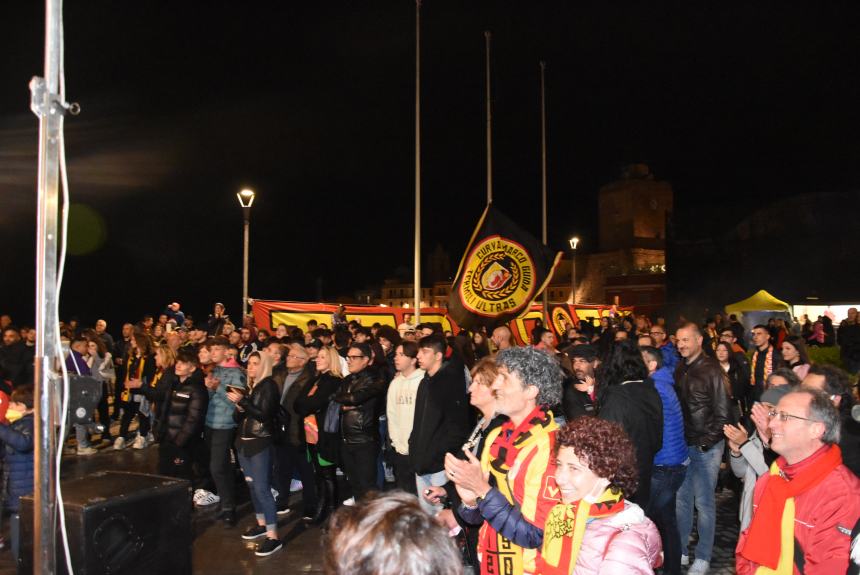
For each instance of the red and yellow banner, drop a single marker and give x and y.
(269, 314)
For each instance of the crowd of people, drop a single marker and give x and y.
(593, 452)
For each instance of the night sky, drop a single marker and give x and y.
(312, 105)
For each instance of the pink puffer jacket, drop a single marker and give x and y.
(626, 543)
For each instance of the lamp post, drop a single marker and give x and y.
(246, 199)
(574, 242)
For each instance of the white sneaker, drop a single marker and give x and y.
(119, 443)
(207, 498)
(349, 502)
(685, 560)
(275, 493)
(699, 567)
(87, 450)
(150, 438)
(139, 442)
(295, 485)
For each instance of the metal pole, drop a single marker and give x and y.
(573, 278)
(46, 104)
(417, 279)
(247, 213)
(543, 173)
(489, 123)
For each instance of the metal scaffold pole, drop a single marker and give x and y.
(47, 103)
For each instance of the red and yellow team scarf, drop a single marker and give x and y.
(565, 528)
(521, 462)
(768, 365)
(135, 365)
(773, 550)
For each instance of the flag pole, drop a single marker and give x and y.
(489, 123)
(417, 279)
(543, 171)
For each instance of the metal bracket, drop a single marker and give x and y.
(43, 103)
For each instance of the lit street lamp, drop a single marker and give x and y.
(574, 242)
(246, 199)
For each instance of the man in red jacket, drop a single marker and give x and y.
(805, 508)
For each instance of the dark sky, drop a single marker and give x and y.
(311, 104)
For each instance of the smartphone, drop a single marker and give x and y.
(240, 390)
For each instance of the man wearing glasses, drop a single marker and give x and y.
(805, 507)
(666, 347)
(359, 397)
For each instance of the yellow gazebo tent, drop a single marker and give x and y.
(760, 301)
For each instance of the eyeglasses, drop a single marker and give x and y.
(657, 333)
(352, 357)
(292, 356)
(783, 416)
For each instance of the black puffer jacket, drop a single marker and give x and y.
(363, 391)
(257, 420)
(181, 407)
(704, 401)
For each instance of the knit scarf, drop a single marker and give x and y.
(509, 454)
(774, 550)
(768, 365)
(565, 529)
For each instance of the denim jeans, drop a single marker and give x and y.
(422, 482)
(258, 474)
(665, 482)
(698, 488)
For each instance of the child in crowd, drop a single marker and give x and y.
(17, 438)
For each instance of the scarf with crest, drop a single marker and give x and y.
(565, 528)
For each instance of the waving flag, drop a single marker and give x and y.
(503, 269)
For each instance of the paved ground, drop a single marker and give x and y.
(221, 551)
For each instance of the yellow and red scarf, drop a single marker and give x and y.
(520, 459)
(135, 364)
(768, 365)
(773, 549)
(565, 529)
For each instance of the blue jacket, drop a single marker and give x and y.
(670, 355)
(674, 450)
(219, 414)
(505, 518)
(18, 440)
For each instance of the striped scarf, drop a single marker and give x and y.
(768, 365)
(520, 461)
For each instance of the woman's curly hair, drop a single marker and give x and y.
(605, 448)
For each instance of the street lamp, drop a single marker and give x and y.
(246, 199)
(574, 242)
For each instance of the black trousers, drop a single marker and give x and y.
(175, 461)
(404, 473)
(219, 442)
(102, 409)
(129, 410)
(359, 464)
(287, 461)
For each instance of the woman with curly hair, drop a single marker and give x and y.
(595, 529)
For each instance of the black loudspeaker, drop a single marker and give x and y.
(85, 392)
(120, 524)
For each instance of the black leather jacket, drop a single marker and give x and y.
(260, 407)
(704, 401)
(363, 391)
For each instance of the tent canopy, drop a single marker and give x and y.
(760, 301)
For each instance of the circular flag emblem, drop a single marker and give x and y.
(498, 277)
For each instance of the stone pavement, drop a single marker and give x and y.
(220, 551)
